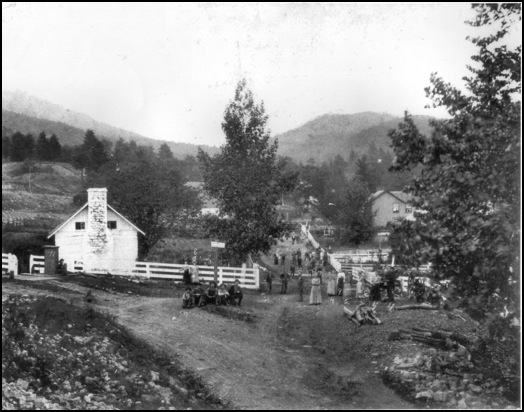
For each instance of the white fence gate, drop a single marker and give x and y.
(36, 264)
(9, 263)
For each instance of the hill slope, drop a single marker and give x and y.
(29, 114)
(329, 135)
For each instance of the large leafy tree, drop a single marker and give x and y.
(469, 188)
(154, 198)
(247, 181)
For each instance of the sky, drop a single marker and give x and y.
(168, 71)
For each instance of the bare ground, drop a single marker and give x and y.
(279, 361)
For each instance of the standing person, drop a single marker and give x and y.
(235, 293)
(325, 259)
(315, 297)
(61, 268)
(292, 270)
(186, 275)
(195, 277)
(283, 259)
(306, 257)
(300, 286)
(275, 259)
(284, 277)
(340, 285)
(294, 258)
(269, 281)
(299, 261)
(319, 274)
(390, 279)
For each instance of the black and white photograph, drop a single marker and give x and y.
(283, 206)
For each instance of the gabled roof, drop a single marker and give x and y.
(401, 196)
(82, 208)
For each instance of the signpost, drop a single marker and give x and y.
(216, 246)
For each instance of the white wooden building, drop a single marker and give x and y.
(98, 236)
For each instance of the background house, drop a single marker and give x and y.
(209, 205)
(390, 205)
(98, 236)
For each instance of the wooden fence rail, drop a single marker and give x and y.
(249, 278)
(9, 263)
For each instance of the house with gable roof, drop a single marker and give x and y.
(97, 236)
(389, 205)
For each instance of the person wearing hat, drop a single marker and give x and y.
(235, 293)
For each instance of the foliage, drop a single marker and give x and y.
(153, 198)
(92, 154)
(356, 219)
(247, 180)
(467, 194)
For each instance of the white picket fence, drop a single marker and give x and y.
(249, 278)
(36, 264)
(9, 263)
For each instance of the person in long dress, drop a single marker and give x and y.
(315, 298)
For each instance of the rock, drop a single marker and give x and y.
(435, 385)
(88, 397)
(148, 398)
(475, 389)
(440, 396)
(22, 384)
(424, 395)
(462, 404)
(155, 376)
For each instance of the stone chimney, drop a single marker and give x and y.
(98, 239)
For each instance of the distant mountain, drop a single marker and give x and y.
(329, 135)
(29, 114)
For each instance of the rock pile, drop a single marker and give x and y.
(446, 380)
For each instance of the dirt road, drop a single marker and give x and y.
(276, 362)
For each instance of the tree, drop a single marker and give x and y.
(468, 191)
(153, 198)
(22, 146)
(93, 153)
(42, 147)
(247, 181)
(356, 217)
(165, 153)
(55, 149)
(6, 147)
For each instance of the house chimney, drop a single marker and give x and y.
(97, 220)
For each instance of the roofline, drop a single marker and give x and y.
(67, 221)
(82, 208)
(387, 191)
(126, 219)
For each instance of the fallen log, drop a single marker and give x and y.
(413, 307)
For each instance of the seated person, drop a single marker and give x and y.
(198, 294)
(187, 299)
(222, 295)
(61, 268)
(235, 293)
(210, 295)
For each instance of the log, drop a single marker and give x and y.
(412, 307)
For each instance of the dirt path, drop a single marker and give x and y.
(255, 365)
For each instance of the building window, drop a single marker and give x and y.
(111, 224)
(396, 208)
(409, 209)
(80, 225)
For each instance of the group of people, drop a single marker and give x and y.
(222, 295)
